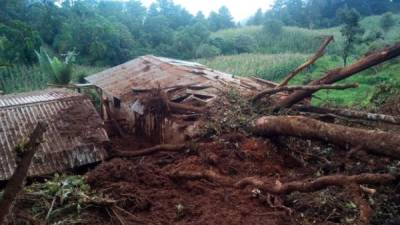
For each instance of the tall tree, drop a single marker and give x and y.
(257, 19)
(221, 20)
(351, 30)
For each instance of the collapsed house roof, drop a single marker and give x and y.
(75, 135)
(149, 72)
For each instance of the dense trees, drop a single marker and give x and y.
(322, 13)
(105, 32)
(111, 32)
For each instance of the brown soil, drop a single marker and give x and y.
(155, 198)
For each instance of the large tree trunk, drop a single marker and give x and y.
(16, 182)
(373, 141)
(335, 75)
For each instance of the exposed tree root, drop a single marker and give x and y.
(365, 210)
(205, 174)
(278, 188)
(25, 153)
(303, 87)
(372, 141)
(315, 57)
(152, 150)
(317, 184)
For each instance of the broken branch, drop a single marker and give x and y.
(16, 182)
(303, 87)
(336, 75)
(373, 141)
(310, 61)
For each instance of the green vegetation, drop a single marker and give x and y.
(270, 67)
(59, 72)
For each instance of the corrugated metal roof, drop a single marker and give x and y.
(151, 72)
(36, 96)
(75, 135)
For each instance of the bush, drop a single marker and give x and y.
(245, 44)
(273, 27)
(207, 51)
(387, 21)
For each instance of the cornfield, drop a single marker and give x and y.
(20, 78)
(268, 66)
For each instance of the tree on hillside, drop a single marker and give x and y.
(257, 19)
(387, 22)
(351, 31)
(221, 20)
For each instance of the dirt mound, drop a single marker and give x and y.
(148, 191)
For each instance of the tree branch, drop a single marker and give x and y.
(303, 87)
(336, 75)
(16, 182)
(310, 61)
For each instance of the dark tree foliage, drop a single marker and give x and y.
(105, 32)
(322, 13)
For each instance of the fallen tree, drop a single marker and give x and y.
(372, 141)
(25, 153)
(339, 74)
(349, 113)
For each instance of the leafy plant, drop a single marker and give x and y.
(60, 72)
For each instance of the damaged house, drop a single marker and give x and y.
(75, 134)
(128, 89)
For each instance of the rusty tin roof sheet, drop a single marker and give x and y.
(151, 72)
(75, 135)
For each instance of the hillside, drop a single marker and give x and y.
(276, 56)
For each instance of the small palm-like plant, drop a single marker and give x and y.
(60, 72)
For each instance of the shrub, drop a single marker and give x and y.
(207, 51)
(273, 27)
(245, 44)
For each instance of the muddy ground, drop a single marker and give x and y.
(145, 189)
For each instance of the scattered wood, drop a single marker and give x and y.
(338, 74)
(350, 114)
(25, 153)
(152, 150)
(303, 87)
(372, 141)
(310, 61)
